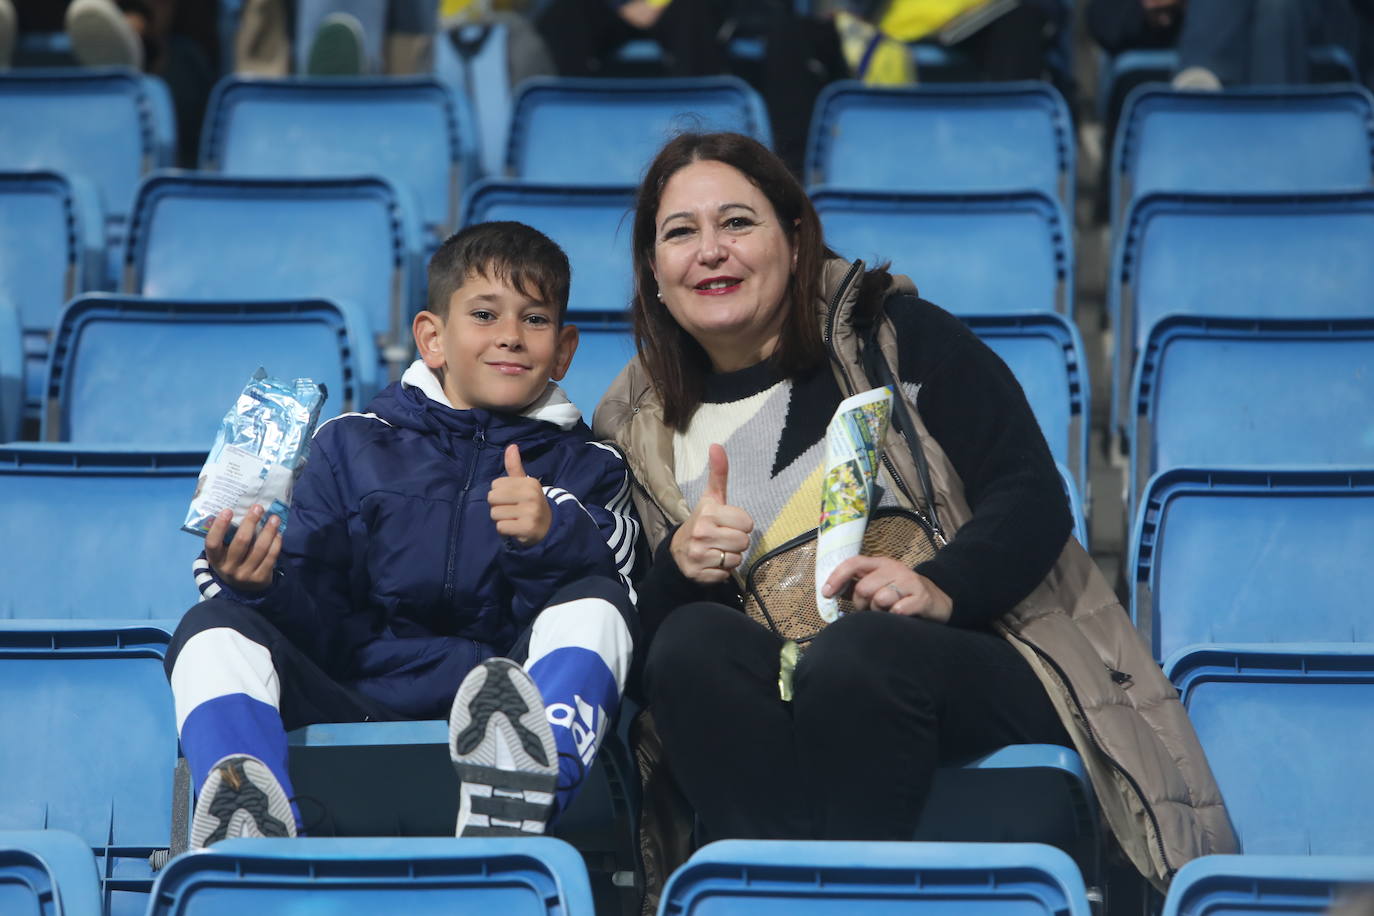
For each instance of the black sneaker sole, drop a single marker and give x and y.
(241, 797)
(503, 750)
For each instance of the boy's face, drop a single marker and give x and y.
(498, 349)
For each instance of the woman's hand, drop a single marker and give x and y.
(884, 584)
(246, 563)
(712, 541)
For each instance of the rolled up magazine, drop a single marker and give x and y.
(853, 448)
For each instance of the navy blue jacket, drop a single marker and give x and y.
(392, 574)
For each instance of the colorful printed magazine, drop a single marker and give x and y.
(853, 448)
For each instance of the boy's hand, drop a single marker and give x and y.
(246, 563)
(518, 504)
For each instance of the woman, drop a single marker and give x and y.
(750, 332)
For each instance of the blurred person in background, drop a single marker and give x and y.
(1230, 42)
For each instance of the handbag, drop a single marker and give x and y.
(780, 588)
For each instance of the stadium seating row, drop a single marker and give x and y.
(1312, 693)
(49, 872)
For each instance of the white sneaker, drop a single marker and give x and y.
(101, 36)
(240, 797)
(503, 749)
(1197, 78)
(9, 31)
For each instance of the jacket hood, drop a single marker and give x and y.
(418, 402)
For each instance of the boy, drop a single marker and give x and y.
(466, 516)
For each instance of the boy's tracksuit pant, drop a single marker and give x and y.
(239, 685)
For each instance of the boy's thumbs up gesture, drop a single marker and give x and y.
(518, 505)
(712, 541)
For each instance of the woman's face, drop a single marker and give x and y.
(722, 262)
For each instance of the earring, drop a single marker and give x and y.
(660, 294)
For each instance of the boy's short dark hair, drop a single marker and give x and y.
(506, 252)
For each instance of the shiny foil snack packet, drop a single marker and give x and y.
(260, 450)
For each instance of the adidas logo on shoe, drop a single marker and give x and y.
(504, 752)
(240, 797)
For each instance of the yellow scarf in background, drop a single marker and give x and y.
(911, 20)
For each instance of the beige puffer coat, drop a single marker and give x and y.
(1146, 765)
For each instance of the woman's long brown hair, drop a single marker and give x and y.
(676, 363)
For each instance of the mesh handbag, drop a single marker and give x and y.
(780, 589)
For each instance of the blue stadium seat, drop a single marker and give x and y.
(1220, 392)
(993, 253)
(413, 131)
(133, 371)
(1118, 74)
(1289, 733)
(482, 77)
(98, 744)
(351, 240)
(520, 876)
(606, 131)
(1284, 138)
(1256, 255)
(1268, 885)
(349, 768)
(1045, 352)
(592, 224)
(975, 137)
(1080, 515)
(105, 126)
(804, 877)
(11, 372)
(604, 346)
(1258, 556)
(52, 246)
(115, 515)
(47, 873)
(1021, 793)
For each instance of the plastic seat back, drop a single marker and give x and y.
(1045, 352)
(607, 131)
(1289, 732)
(100, 125)
(1230, 555)
(806, 877)
(131, 371)
(12, 372)
(974, 137)
(525, 876)
(1212, 392)
(591, 224)
(605, 345)
(968, 253)
(115, 515)
(47, 873)
(351, 240)
(1271, 885)
(52, 240)
(93, 746)
(412, 131)
(1255, 255)
(1299, 138)
(345, 766)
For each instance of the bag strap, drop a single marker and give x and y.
(876, 364)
